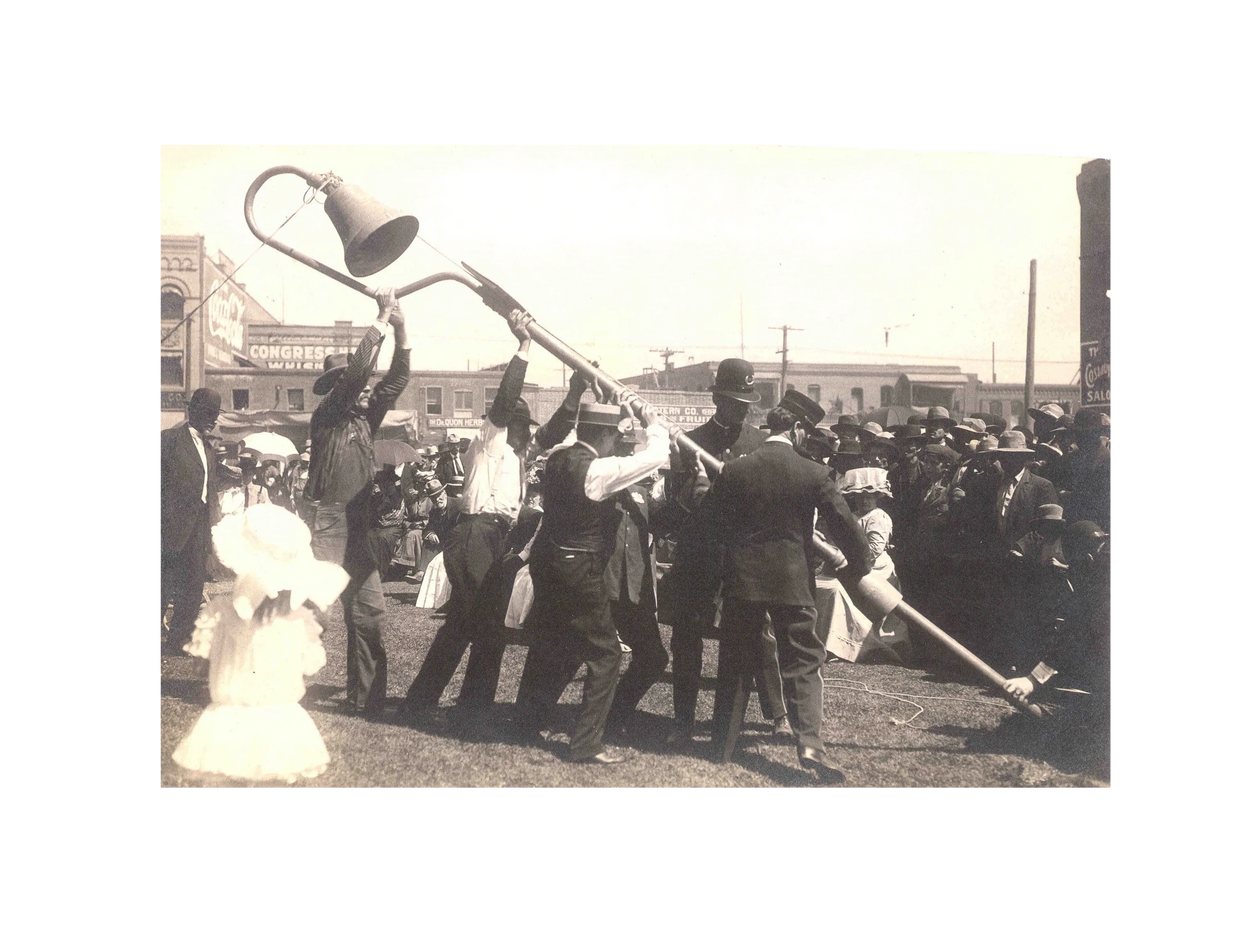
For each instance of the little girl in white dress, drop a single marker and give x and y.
(261, 640)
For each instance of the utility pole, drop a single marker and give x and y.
(783, 368)
(667, 353)
(1033, 297)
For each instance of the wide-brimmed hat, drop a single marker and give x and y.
(847, 426)
(938, 416)
(1012, 444)
(804, 407)
(1047, 451)
(734, 379)
(883, 440)
(432, 488)
(1065, 425)
(599, 414)
(334, 365)
(989, 442)
(268, 547)
(1049, 514)
(821, 440)
(865, 479)
(969, 428)
(521, 412)
(1047, 411)
(869, 430)
(912, 433)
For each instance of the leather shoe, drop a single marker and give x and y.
(782, 728)
(815, 761)
(605, 756)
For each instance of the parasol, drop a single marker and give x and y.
(268, 444)
(393, 453)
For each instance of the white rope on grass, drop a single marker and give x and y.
(902, 697)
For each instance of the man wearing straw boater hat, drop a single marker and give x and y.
(568, 559)
(687, 593)
(337, 494)
(766, 504)
(189, 500)
(493, 488)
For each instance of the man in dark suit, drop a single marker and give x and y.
(687, 593)
(189, 501)
(766, 507)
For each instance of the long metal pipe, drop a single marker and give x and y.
(871, 590)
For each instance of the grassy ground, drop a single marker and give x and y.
(943, 730)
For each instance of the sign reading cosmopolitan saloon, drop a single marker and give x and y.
(1096, 373)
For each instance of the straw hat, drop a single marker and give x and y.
(268, 548)
(866, 479)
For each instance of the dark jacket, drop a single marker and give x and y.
(181, 474)
(766, 504)
(1030, 492)
(342, 454)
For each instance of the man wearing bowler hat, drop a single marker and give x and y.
(337, 493)
(766, 504)
(687, 593)
(568, 560)
(493, 488)
(189, 504)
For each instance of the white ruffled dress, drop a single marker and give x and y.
(254, 728)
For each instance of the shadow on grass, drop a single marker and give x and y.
(195, 692)
(746, 756)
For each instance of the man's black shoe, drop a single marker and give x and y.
(815, 762)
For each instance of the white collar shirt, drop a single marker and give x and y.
(494, 475)
(202, 455)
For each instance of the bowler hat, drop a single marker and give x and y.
(734, 379)
(334, 365)
(938, 416)
(205, 399)
(804, 407)
(599, 414)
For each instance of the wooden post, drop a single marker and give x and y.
(1033, 297)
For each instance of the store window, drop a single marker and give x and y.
(434, 400)
(463, 400)
(858, 397)
(171, 304)
(241, 399)
(887, 395)
(297, 399)
(815, 393)
(488, 395)
(996, 408)
(171, 370)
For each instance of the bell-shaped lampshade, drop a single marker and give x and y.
(373, 234)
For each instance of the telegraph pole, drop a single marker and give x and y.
(783, 368)
(1033, 297)
(667, 353)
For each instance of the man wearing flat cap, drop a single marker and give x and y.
(493, 489)
(568, 561)
(336, 503)
(766, 505)
(687, 593)
(189, 504)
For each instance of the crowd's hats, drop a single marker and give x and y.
(869, 430)
(1065, 425)
(820, 441)
(432, 488)
(804, 407)
(884, 441)
(915, 419)
(1049, 411)
(452, 439)
(304, 457)
(734, 379)
(970, 428)
(865, 479)
(938, 416)
(995, 429)
(1082, 536)
(522, 412)
(987, 443)
(334, 365)
(1012, 443)
(913, 433)
(599, 414)
(205, 399)
(847, 426)
(1049, 514)
(940, 451)
(849, 447)
(847, 455)
(1092, 421)
(1028, 434)
(1048, 451)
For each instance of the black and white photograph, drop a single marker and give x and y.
(634, 466)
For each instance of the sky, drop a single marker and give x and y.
(621, 250)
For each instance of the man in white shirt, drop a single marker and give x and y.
(494, 486)
(567, 563)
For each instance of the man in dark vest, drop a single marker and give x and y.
(568, 560)
(337, 495)
(189, 504)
